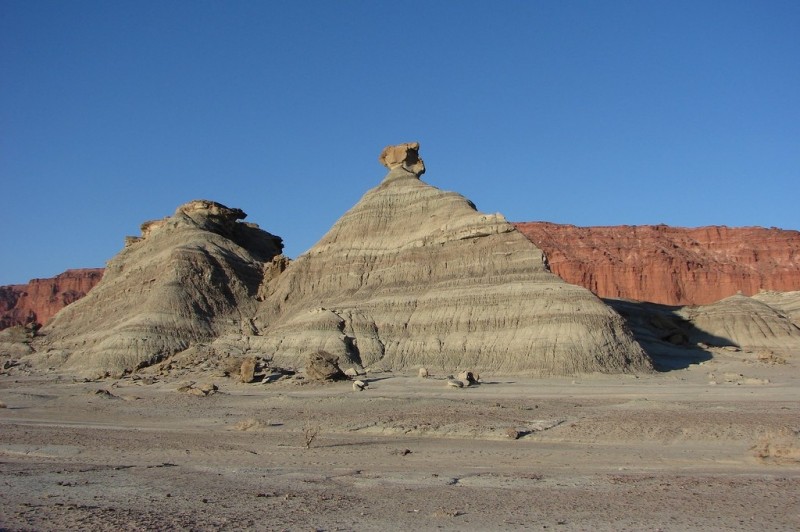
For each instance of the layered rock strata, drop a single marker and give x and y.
(788, 303)
(745, 322)
(39, 300)
(670, 265)
(416, 276)
(188, 278)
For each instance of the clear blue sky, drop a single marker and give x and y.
(590, 113)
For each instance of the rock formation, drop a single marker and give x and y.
(744, 322)
(787, 303)
(404, 156)
(670, 265)
(188, 278)
(39, 300)
(412, 275)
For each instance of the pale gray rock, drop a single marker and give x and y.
(191, 277)
(786, 302)
(743, 322)
(410, 276)
(415, 276)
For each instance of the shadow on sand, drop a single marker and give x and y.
(671, 340)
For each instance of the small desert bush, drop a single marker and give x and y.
(782, 447)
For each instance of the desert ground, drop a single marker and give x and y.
(710, 446)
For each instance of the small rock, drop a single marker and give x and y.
(185, 386)
(207, 388)
(513, 433)
(323, 366)
(247, 370)
(359, 386)
(351, 372)
(453, 383)
(423, 373)
(752, 380)
(468, 377)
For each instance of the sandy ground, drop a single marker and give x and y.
(714, 446)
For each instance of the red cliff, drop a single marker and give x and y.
(40, 299)
(670, 265)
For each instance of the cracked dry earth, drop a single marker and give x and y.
(660, 452)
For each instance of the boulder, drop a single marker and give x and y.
(323, 366)
(247, 370)
(405, 156)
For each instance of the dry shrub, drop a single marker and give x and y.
(768, 357)
(250, 424)
(310, 433)
(782, 447)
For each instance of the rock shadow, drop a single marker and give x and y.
(667, 337)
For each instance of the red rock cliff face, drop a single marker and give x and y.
(40, 299)
(670, 265)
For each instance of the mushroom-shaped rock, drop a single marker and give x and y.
(403, 155)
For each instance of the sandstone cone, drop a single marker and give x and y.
(189, 278)
(415, 276)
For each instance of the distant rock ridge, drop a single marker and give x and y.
(670, 265)
(39, 300)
